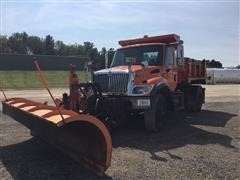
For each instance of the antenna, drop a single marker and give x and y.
(46, 86)
(4, 93)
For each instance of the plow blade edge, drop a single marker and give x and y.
(83, 137)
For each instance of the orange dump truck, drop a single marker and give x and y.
(149, 75)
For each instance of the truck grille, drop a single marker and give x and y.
(114, 83)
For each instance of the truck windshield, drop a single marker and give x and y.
(150, 53)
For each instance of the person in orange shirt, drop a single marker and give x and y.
(74, 90)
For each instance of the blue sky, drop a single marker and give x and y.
(210, 29)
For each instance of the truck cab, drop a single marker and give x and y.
(147, 68)
(147, 63)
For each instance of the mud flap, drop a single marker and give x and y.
(82, 137)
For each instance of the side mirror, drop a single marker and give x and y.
(179, 61)
(109, 57)
(168, 68)
(106, 60)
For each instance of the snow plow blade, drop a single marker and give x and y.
(82, 137)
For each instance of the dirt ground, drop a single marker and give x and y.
(202, 145)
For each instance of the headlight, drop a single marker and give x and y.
(142, 89)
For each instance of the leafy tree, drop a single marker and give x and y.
(214, 64)
(49, 45)
(24, 37)
(91, 51)
(81, 50)
(59, 48)
(238, 66)
(22, 43)
(4, 45)
(103, 52)
(15, 42)
(88, 46)
(35, 45)
(93, 54)
(71, 50)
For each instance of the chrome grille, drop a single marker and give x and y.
(114, 82)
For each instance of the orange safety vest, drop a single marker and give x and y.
(74, 92)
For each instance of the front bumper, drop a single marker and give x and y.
(129, 102)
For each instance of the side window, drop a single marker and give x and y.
(169, 56)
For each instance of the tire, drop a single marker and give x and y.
(194, 99)
(155, 117)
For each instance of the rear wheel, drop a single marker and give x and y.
(194, 98)
(155, 116)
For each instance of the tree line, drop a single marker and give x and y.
(22, 43)
(213, 64)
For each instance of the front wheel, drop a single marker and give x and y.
(155, 116)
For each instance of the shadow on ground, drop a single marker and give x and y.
(34, 159)
(180, 130)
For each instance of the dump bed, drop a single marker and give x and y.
(194, 70)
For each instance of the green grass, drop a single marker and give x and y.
(31, 79)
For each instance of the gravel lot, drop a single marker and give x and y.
(201, 145)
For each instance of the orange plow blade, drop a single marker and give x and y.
(83, 137)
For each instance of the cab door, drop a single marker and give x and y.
(170, 70)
